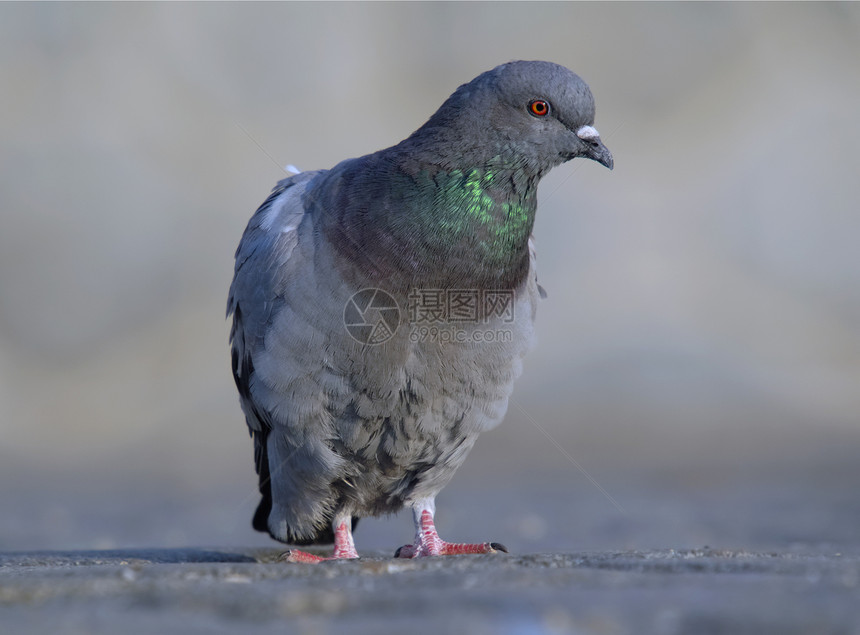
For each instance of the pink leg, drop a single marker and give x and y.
(428, 542)
(344, 547)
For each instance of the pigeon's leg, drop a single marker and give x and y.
(428, 542)
(344, 547)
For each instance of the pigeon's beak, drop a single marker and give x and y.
(594, 148)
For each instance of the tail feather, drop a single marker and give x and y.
(260, 522)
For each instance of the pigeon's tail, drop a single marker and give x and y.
(323, 536)
(261, 458)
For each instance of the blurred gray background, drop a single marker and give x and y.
(699, 352)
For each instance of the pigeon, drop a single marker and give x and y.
(382, 308)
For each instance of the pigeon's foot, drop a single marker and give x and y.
(428, 543)
(344, 548)
(449, 549)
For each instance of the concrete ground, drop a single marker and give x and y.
(752, 555)
(231, 590)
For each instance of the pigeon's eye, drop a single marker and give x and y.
(539, 108)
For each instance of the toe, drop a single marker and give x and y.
(294, 555)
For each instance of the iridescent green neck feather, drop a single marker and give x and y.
(467, 201)
(454, 228)
(483, 217)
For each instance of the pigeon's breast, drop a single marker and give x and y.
(417, 401)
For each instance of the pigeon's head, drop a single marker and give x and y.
(536, 114)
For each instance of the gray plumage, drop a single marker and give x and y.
(342, 427)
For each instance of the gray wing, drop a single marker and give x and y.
(258, 287)
(268, 261)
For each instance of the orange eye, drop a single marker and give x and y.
(539, 108)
